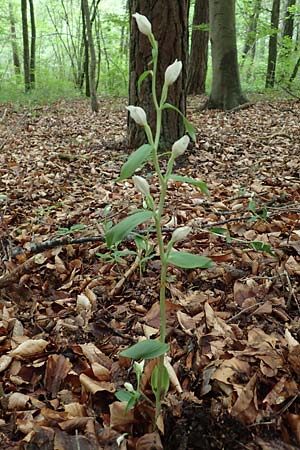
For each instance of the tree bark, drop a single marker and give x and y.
(32, 45)
(288, 28)
(272, 58)
(85, 74)
(199, 49)
(14, 44)
(252, 30)
(94, 102)
(170, 26)
(26, 57)
(226, 92)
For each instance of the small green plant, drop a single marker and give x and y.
(261, 214)
(153, 210)
(77, 227)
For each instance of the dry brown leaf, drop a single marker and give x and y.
(29, 349)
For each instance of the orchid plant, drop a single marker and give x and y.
(153, 210)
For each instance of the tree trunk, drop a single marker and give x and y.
(272, 58)
(32, 45)
(26, 59)
(169, 20)
(14, 44)
(85, 74)
(199, 49)
(252, 30)
(288, 28)
(226, 92)
(94, 102)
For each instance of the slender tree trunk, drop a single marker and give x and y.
(272, 58)
(199, 49)
(94, 102)
(169, 20)
(295, 70)
(252, 30)
(26, 58)
(85, 74)
(14, 44)
(226, 92)
(288, 28)
(32, 45)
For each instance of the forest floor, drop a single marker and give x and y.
(69, 307)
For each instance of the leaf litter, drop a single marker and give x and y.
(69, 308)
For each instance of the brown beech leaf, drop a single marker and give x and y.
(150, 441)
(5, 362)
(120, 419)
(57, 368)
(94, 386)
(29, 349)
(17, 401)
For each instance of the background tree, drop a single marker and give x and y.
(226, 92)
(288, 28)
(272, 57)
(199, 49)
(26, 53)
(170, 26)
(32, 44)
(14, 42)
(92, 67)
(250, 41)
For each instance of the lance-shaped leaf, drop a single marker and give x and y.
(189, 260)
(199, 184)
(135, 160)
(262, 247)
(142, 77)
(148, 349)
(188, 126)
(118, 232)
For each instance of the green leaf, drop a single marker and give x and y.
(252, 206)
(165, 380)
(199, 184)
(135, 160)
(262, 247)
(118, 232)
(147, 349)
(123, 395)
(222, 231)
(189, 260)
(142, 77)
(188, 126)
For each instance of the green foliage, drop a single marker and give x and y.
(147, 349)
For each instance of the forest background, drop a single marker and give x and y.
(59, 55)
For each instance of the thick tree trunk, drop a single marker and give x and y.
(250, 41)
(169, 20)
(14, 44)
(226, 92)
(272, 58)
(94, 102)
(26, 58)
(199, 49)
(32, 45)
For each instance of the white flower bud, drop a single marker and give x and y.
(137, 114)
(181, 233)
(180, 146)
(141, 185)
(143, 24)
(139, 367)
(128, 387)
(172, 72)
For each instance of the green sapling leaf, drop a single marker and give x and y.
(199, 184)
(118, 232)
(147, 349)
(222, 231)
(262, 247)
(135, 160)
(189, 260)
(123, 395)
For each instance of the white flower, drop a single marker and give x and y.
(181, 233)
(143, 24)
(180, 146)
(139, 367)
(141, 185)
(172, 72)
(129, 387)
(137, 114)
